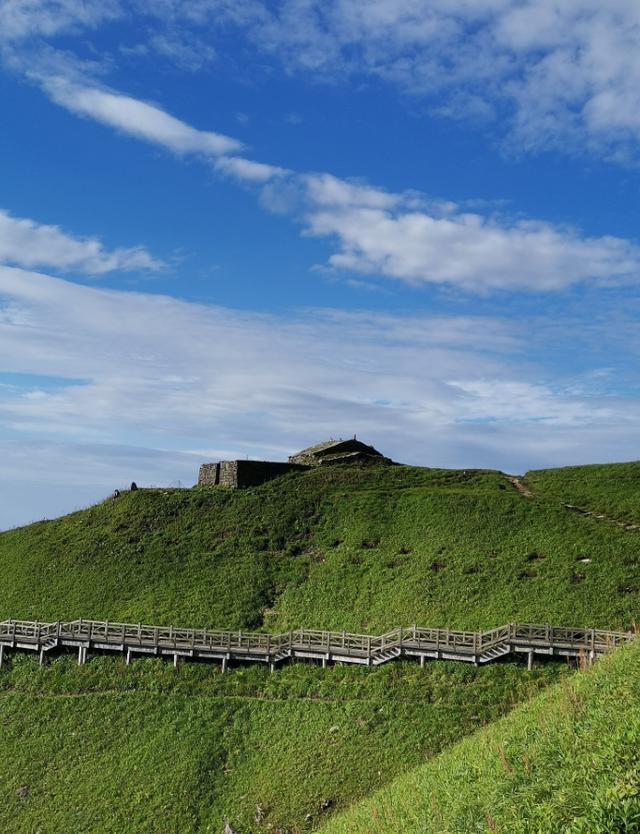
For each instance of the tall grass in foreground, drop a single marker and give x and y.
(565, 763)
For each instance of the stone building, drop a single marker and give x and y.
(245, 473)
(338, 451)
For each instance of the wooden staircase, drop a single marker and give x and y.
(325, 646)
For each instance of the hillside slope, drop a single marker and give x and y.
(107, 748)
(355, 549)
(362, 549)
(565, 762)
(612, 488)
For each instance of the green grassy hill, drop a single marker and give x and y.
(565, 762)
(106, 748)
(612, 489)
(356, 549)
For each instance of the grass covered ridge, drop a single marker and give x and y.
(106, 748)
(361, 549)
(611, 488)
(565, 762)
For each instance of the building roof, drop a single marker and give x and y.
(335, 449)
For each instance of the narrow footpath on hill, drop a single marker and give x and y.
(522, 489)
(625, 525)
(516, 482)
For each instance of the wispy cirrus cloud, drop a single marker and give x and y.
(133, 397)
(563, 75)
(547, 74)
(26, 19)
(135, 117)
(23, 242)
(456, 389)
(404, 236)
(324, 368)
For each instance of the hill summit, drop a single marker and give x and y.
(244, 473)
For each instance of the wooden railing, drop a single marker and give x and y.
(479, 647)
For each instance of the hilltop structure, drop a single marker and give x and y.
(338, 451)
(244, 473)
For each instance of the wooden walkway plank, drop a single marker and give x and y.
(371, 650)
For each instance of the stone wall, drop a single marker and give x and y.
(243, 473)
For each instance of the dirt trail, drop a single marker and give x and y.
(516, 482)
(522, 489)
(625, 525)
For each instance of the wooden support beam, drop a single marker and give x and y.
(128, 660)
(1, 655)
(530, 660)
(175, 660)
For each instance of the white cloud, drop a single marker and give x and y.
(21, 19)
(397, 235)
(260, 375)
(248, 170)
(563, 74)
(567, 70)
(468, 250)
(24, 242)
(151, 379)
(135, 118)
(187, 53)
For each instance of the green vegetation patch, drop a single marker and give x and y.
(612, 489)
(109, 748)
(566, 762)
(146, 748)
(357, 548)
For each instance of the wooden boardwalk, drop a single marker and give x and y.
(325, 646)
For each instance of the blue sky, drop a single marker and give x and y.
(236, 228)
